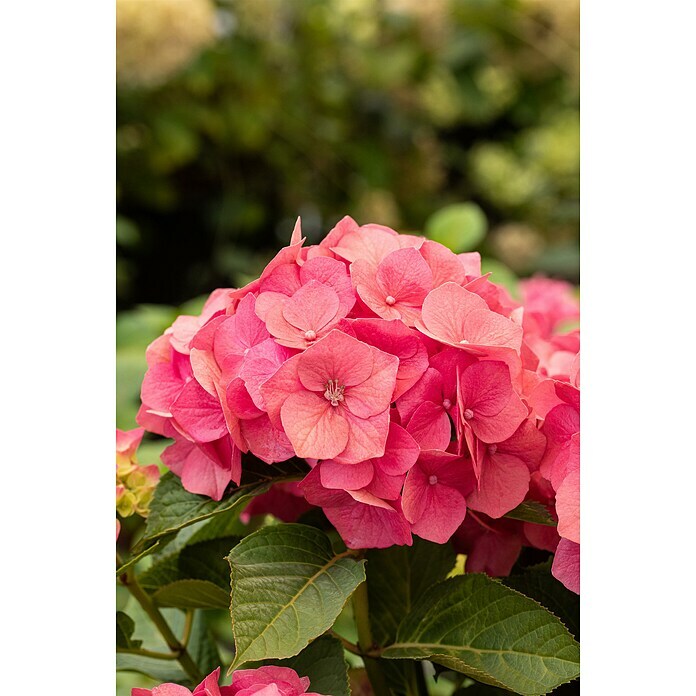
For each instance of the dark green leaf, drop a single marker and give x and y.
(192, 594)
(538, 583)
(288, 587)
(531, 511)
(173, 508)
(396, 578)
(124, 631)
(475, 625)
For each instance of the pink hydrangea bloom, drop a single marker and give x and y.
(424, 398)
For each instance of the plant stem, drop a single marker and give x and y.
(148, 653)
(179, 650)
(420, 679)
(366, 643)
(350, 647)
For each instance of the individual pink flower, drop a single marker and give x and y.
(397, 288)
(434, 497)
(333, 399)
(460, 318)
(506, 470)
(488, 406)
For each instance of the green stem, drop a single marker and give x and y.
(366, 643)
(179, 650)
(147, 653)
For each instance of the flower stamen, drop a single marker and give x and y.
(334, 392)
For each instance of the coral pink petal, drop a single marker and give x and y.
(401, 452)
(486, 388)
(160, 387)
(372, 245)
(269, 444)
(446, 310)
(261, 363)
(127, 441)
(315, 428)
(276, 389)
(395, 338)
(444, 264)
(405, 275)
(566, 564)
(430, 426)
(368, 437)
(337, 356)
(568, 507)
(334, 274)
(500, 427)
(427, 389)
(374, 394)
(503, 485)
(199, 413)
(312, 307)
(240, 402)
(348, 477)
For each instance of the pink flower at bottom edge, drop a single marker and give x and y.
(566, 564)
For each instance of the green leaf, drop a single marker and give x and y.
(460, 227)
(324, 663)
(192, 594)
(134, 559)
(173, 508)
(124, 631)
(288, 587)
(532, 511)
(477, 626)
(538, 583)
(396, 578)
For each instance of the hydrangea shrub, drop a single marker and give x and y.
(398, 414)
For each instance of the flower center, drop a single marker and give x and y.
(310, 335)
(446, 404)
(390, 300)
(334, 392)
(432, 480)
(492, 449)
(468, 414)
(463, 342)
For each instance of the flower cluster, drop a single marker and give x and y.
(264, 681)
(414, 386)
(135, 484)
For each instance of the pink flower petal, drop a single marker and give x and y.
(199, 413)
(337, 356)
(503, 485)
(348, 477)
(566, 564)
(315, 428)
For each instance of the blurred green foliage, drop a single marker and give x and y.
(386, 110)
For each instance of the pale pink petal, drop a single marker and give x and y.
(160, 387)
(500, 427)
(371, 243)
(312, 307)
(127, 441)
(315, 428)
(261, 363)
(405, 275)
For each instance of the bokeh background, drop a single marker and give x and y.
(457, 118)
